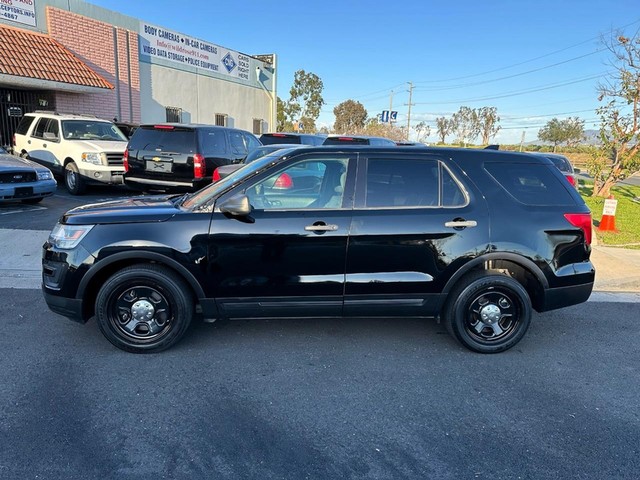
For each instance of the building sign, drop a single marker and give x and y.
(20, 11)
(182, 50)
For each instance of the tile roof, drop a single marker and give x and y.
(35, 55)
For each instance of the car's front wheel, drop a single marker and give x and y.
(488, 312)
(73, 180)
(144, 308)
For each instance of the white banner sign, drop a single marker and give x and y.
(610, 206)
(158, 42)
(20, 11)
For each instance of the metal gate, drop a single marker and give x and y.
(14, 104)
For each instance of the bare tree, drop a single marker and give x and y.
(465, 125)
(422, 131)
(443, 126)
(489, 120)
(620, 116)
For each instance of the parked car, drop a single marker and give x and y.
(182, 157)
(358, 140)
(23, 180)
(564, 165)
(258, 152)
(475, 238)
(86, 150)
(127, 128)
(411, 144)
(291, 138)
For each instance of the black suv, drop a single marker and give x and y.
(181, 157)
(359, 140)
(475, 238)
(293, 138)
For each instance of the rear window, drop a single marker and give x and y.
(177, 139)
(25, 123)
(346, 140)
(270, 139)
(213, 142)
(531, 184)
(561, 163)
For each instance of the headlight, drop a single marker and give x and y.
(95, 158)
(44, 175)
(67, 237)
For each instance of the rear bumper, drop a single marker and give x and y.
(67, 307)
(566, 296)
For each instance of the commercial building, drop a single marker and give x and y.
(72, 56)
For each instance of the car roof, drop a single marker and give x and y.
(67, 116)
(195, 126)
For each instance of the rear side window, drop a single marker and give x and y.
(402, 183)
(270, 139)
(238, 145)
(531, 184)
(213, 142)
(175, 139)
(38, 132)
(25, 123)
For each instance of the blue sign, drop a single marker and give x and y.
(384, 118)
(394, 116)
(228, 62)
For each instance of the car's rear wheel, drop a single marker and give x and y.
(73, 180)
(144, 308)
(488, 312)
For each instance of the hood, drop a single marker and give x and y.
(12, 163)
(157, 208)
(101, 145)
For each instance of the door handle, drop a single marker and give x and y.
(461, 224)
(321, 228)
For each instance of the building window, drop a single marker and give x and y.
(257, 126)
(221, 119)
(174, 114)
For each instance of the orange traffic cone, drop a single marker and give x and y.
(608, 221)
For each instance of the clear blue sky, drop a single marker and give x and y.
(533, 60)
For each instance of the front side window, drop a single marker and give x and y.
(38, 132)
(52, 130)
(306, 184)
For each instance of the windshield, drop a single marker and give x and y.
(203, 196)
(91, 130)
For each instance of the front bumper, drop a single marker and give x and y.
(16, 191)
(67, 307)
(101, 173)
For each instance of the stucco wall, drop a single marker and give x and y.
(200, 98)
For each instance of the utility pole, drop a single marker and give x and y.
(409, 112)
(522, 140)
(390, 106)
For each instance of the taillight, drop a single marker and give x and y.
(199, 167)
(283, 181)
(345, 139)
(125, 161)
(583, 221)
(216, 175)
(164, 127)
(571, 179)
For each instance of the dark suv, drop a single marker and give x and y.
(359, 140)
(475, 238)
(179, 157)
(291, 138)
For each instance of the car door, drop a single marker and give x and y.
(287, 257)
(414, 216)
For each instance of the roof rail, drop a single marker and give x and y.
(52, 112)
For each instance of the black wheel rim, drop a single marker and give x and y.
(141, 313)
(493, 316)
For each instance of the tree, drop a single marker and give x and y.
(465, 124)
(375, 128)
(306, 99)
(488, 119)
(285, 119)
(351, 117)
(443, 126)
(620, 116)
(569, 131)
(422, 131)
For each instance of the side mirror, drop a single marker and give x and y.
(237, 206)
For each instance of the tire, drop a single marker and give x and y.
(73, 180)
(488, 312)
(144, 308)
(33, 201)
